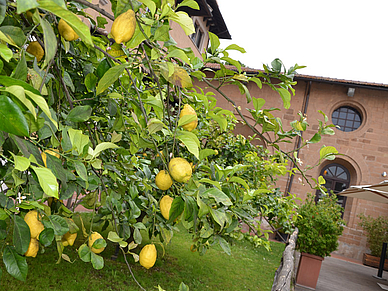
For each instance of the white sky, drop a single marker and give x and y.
(337, 39)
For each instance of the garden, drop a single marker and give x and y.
(111, 125)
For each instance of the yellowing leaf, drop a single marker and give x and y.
(181, 78)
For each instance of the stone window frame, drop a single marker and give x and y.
(198, 36)
(333, 180)
(352, 104)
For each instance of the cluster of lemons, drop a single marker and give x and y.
(179, 170)
(122, 31)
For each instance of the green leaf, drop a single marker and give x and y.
(258, 103)
(218, 195)
(18, 92)
(321, 180)
(114, 237)
(84, 253)
(177, 53)
(47, 181)
(214, 183)
(186, 119)
(3, 229)
(57, 223)
(177, 207)
(183, 286)
(150, 4)
(328, 153)
(99, 243)
(46, 237)
(286, 97)
(91, 81)
(189, 3)
(154, 125)
(8, 81)
(190, 140)
(316, 138)
(110, 77)
(224, 245)
(205, 153)
(21, 163)
(236, 48)
(137, 236)
(50, 41)
(3, 10)
(21, 235)
(218, 216)
(13, 35)
(81, 171)
(20, 71)
(184, 21)
(15, 264)
(102, 147)
(12, 118)
(25, 5)
(79, 27)
(214, 42)
(239, 181)
(41, 102)
(79, 113)
(97, 261)
(78, 139)
(5, 52)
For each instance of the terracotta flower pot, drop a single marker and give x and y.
(308, 270)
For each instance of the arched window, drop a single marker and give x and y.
(337, 178)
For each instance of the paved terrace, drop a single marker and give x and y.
(340, 274)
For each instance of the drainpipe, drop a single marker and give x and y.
(297, 145)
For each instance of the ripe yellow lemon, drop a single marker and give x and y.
(53, 152)
(163, 180)
(147, 256)
(180, 170)
(68, 239)
(92, 238)
(35, 49)
(188, 110)
(33, 248)
(165, 206)
(66, 31)
(36, 227)
(123, 27)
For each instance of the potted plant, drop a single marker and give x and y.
(377, 233)
(320, 224)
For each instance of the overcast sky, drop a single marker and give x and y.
(338, 39)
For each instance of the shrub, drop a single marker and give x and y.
(320, 224)
(377, 232)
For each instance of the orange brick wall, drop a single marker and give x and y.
(364, 152)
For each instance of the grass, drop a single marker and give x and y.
(248, 268)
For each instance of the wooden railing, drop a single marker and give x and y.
(285, 273)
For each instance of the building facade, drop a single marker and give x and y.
(358, 108)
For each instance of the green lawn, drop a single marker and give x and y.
(248, 268)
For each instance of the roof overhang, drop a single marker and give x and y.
(211, 12)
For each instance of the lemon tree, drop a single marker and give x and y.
(90, 118)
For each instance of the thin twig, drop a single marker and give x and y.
(97, 8)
